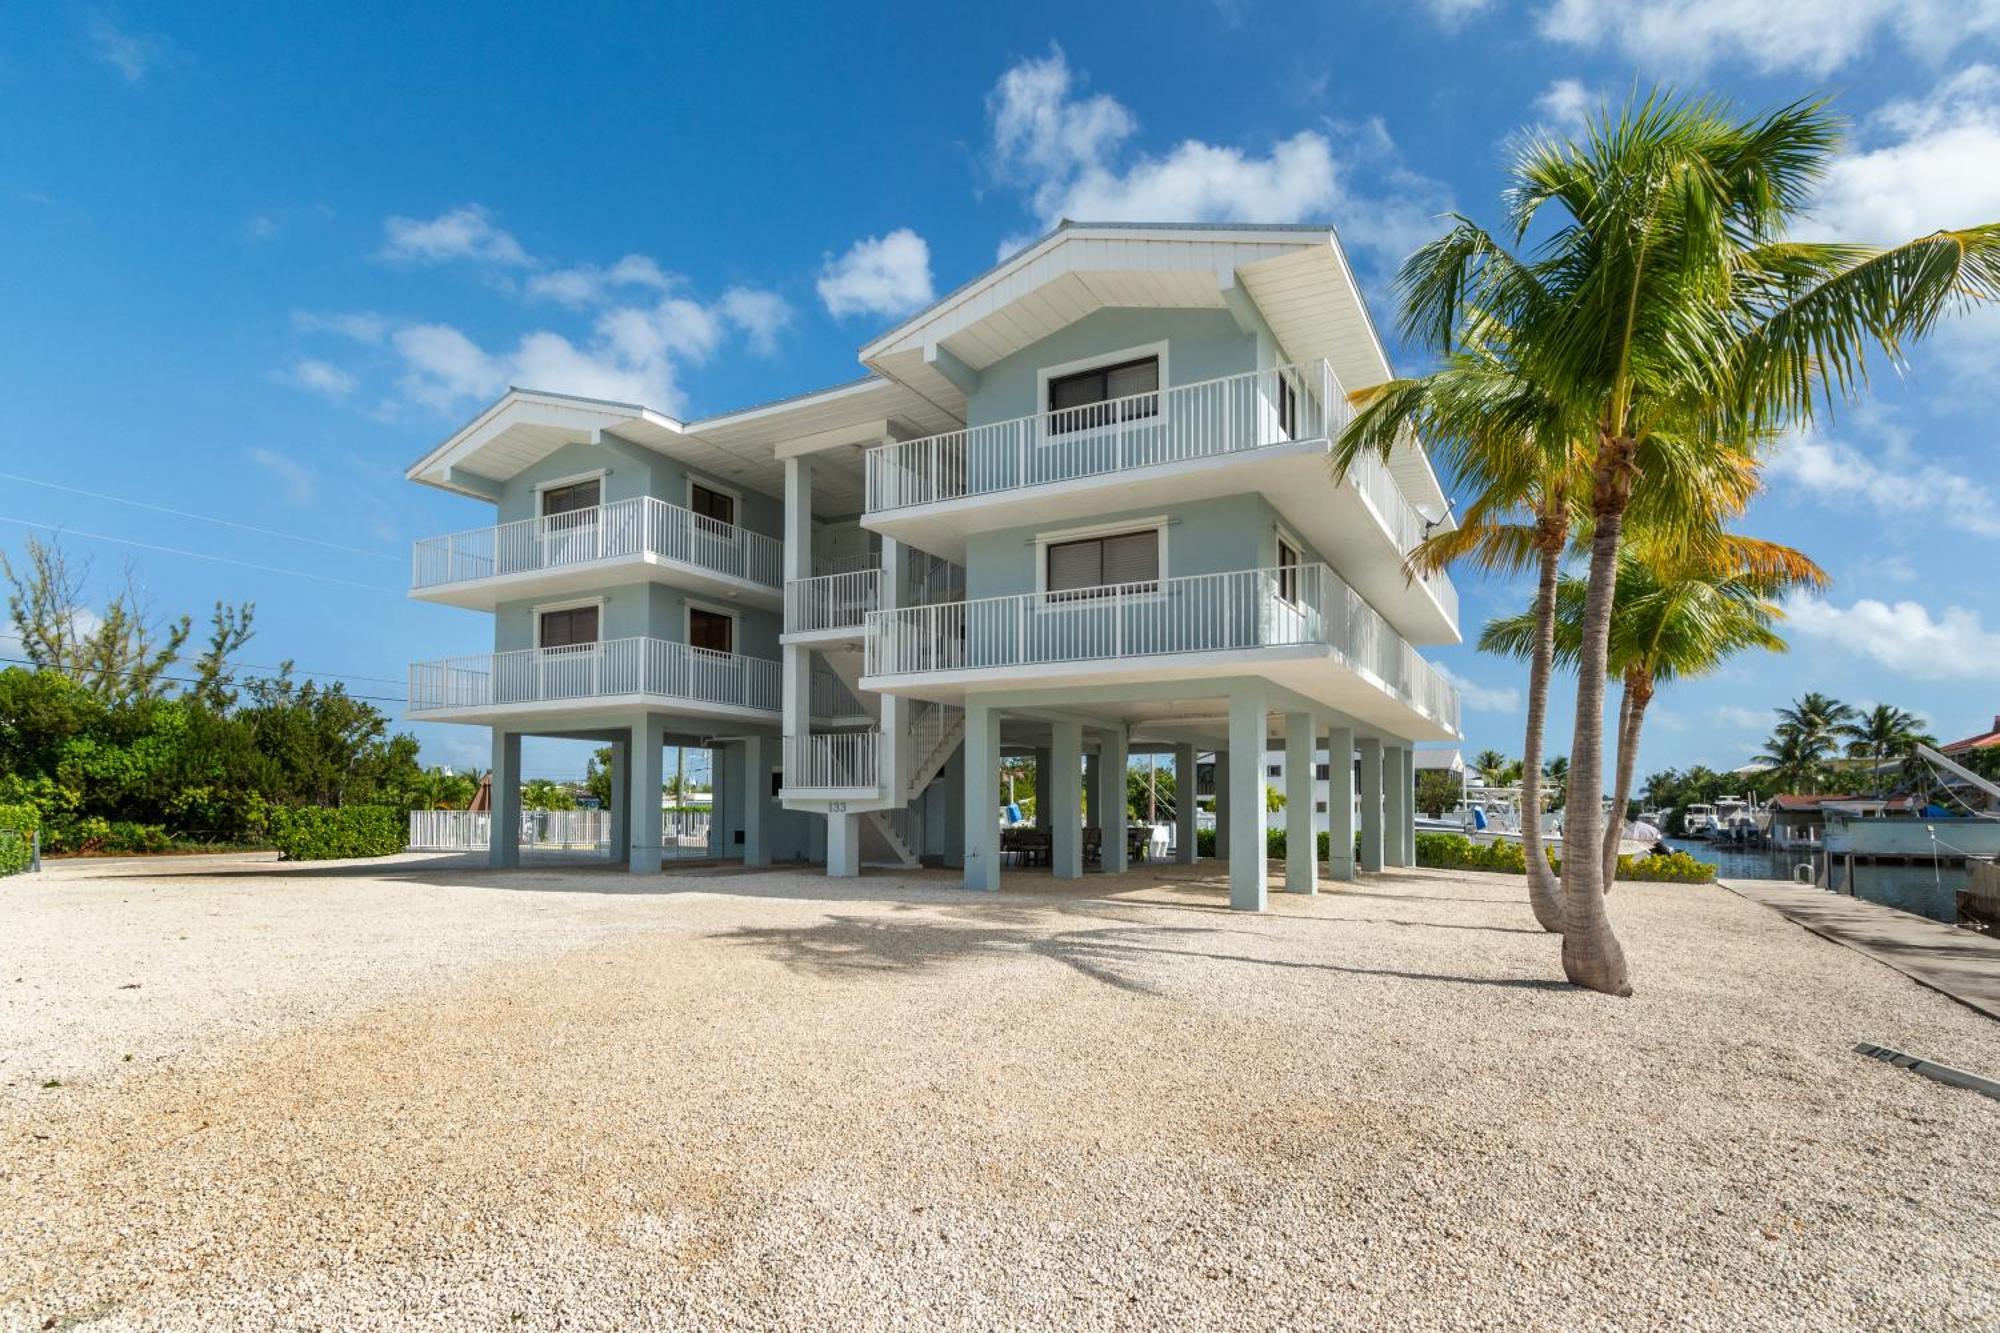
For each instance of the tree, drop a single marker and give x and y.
(1667, 306)
(1796, 763)
(1437, 791)
(1150, 793)
(1679, 613)
(214, 676)
(597, 777)
(1490, 765)
(543, 794)
(1883, 733)
(116, 654)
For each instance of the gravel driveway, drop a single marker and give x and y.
(381, 1096)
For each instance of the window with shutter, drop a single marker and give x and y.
(712, 504)
(570, 499)
(573, 627)
(1104, 395)
(1095, 566)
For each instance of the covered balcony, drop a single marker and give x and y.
(839, 763)
(1298, 625)
(591, 678)
(578, 550)
(1268, 431)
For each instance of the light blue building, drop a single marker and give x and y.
(1080, 507)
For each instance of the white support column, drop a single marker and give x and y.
(1301, 840)
(1409, 805)
(1395, 805)
(1371, 804)
(649, 741)
(1043, 766)
(1093, 793)
(621, 798)
(1340, 803)
(756, 779)
(796, 658)
(892, 753)
(843, 846)
(1066, 799)
(1247, 849)
(503, 846)
(1185, 822)
(1222, 804)
(1111, 789)
(982, 797)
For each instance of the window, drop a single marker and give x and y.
(1288, 407)
(1320, 806)
(1106, 394)
(1289, 561)
(571, 627)
(1323, 772)
(711, 630)
(569, 499)
(718, 506)
(1275, 770)
(1093, 566)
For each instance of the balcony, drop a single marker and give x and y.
(847, 762)
(596, 677)
(579, 550)
(1289, 625)
(1271, 429)
(834, 604)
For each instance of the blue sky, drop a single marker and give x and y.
(257, 258)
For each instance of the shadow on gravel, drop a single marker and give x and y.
(1116, 955)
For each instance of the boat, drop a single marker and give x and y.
(1698, 821)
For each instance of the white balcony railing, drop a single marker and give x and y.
(1187, 421)
(1207, 419)
(615, 667)
(832, 601)
(831, 697)
(846, 759)
(639, 526)
(1236, 612)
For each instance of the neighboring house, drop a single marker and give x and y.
(1079, 507)
(1985, 740)
(1798, 823)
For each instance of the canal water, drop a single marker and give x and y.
(1748, 862)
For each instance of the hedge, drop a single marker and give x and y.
(320, 833)
(1451, 851)
(17, 837)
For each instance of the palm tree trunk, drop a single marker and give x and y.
(1544, 893)
(1636, 694)
(1591, 955)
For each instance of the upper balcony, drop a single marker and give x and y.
(641, 537)
(1272, 431)
(581, 680)
(835, 602)
(1298, 625)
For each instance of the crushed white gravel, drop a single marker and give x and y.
(384, 1096)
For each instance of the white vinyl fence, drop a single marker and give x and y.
(684, 833)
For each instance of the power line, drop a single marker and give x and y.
(205, 518)
(192, 680)
(199, 555)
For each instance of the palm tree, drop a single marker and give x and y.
(1882, 733)
(1677, 614)
(1667, 307)
(1794, 762)
(1489, 764)
(1816, 722)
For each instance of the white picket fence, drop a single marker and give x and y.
(683, 833)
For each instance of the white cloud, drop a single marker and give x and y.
(1750, 719)
(320, 377)
(587, 284)
(1813, 36)
(1565, 106)
(1451, 13)
(1926, 163)
(463, 233)
(260, 228)
(1905, 637)
(1901, 486)
(882, 275)
(295, 478)
(761, 315)
(362, 326)
(133, 54)
(1482, 698)
(1068, 153)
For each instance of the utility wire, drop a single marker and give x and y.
(199, 555)
(205, 518)
(192, 680)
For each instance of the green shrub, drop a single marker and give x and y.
(18, 824)
(1452, 851)
(319, 833)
